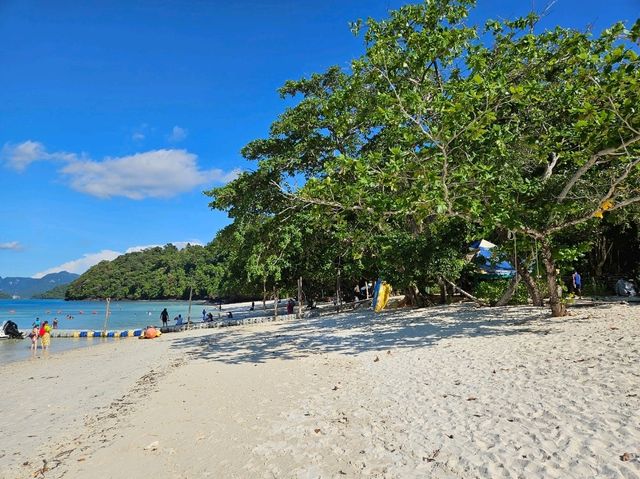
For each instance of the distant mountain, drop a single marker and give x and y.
(28, 287)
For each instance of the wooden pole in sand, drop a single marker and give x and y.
(264, 294)
(300, 297)
(189, 313)
(338, 291)
(275, 303)
(106, 316)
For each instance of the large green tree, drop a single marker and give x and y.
(505, 127)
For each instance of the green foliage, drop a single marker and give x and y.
(442, 132)
(154, 273)
(4, 295)
(491, 291)
(59, 292)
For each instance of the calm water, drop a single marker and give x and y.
(79, 315)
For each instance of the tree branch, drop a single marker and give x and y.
(592, 161)
(554, 160)
(464, 293)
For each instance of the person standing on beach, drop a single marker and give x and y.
(35, 332)
(164, 316)
(576, 281)
(45, 334)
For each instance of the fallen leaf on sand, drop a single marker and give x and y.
(389, 351)
(376, 359)
(450, 436)
(433, 456)
(471, 398)
(317, 431)
(80, 459)
(628, 456)
(153, 446)
(613, 328)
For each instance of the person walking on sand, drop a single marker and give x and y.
(576, 281)
(164, 316)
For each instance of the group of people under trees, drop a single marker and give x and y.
(208, 316)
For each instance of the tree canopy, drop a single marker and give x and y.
(501, 127)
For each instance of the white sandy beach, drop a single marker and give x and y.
(445, 392)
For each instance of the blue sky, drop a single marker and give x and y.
(116, 115)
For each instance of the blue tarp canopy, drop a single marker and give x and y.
(487, 262)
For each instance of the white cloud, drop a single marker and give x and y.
(156, 174)
(152, 174)
(19, 157)
(13, 245)
(80, 265)
(137, 136)
(178, 134)
(88, 260)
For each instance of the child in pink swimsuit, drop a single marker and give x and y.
(35, 332)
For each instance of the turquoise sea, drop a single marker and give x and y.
(79, 315)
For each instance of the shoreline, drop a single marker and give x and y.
(444, 392)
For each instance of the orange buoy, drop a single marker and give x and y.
(150, 332)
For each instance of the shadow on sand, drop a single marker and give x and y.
(362, 331)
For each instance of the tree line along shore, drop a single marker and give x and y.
(443, 132)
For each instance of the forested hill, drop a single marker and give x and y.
(25, 287)
(155, 273)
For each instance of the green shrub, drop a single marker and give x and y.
(492, 290)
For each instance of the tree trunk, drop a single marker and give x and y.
(443, 291)
(530, 283)
(275, 303)
(557, 308)
(463, 292)
(338, 291)
(509, 292)
(414, 297)
(300, 297)
(602, 253)
(264, 294)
